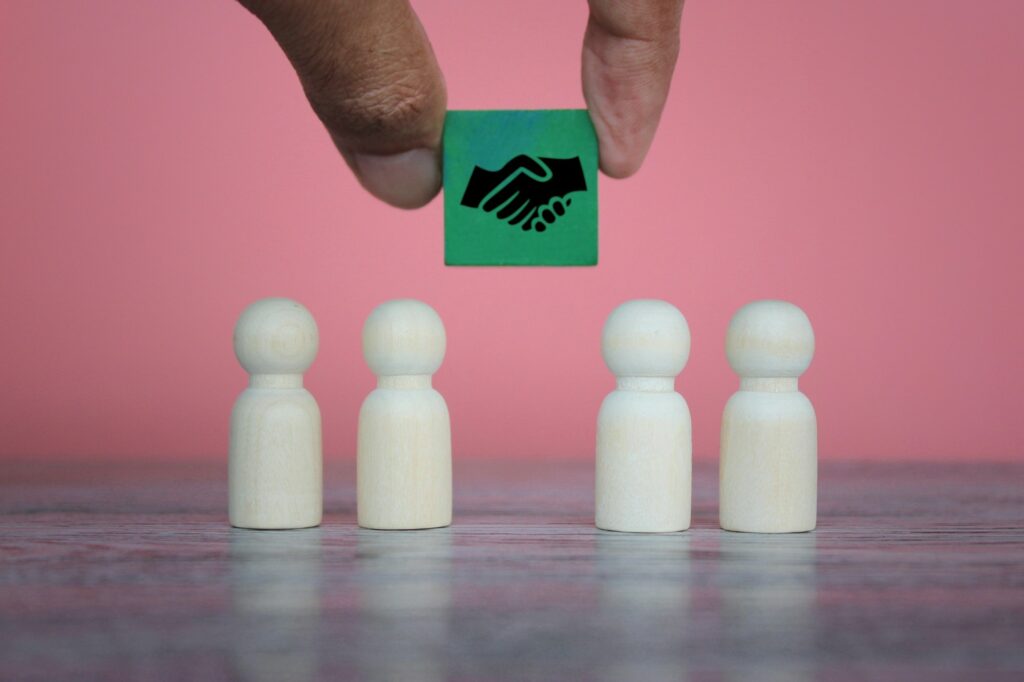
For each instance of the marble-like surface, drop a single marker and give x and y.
(131, 572)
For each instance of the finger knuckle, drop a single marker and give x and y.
(381, 104)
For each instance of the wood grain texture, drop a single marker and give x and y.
(644, 457)
(404, 442)
(130, 571)
(769, 443)
(275, 452)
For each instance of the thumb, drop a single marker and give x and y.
(629, 54)
(371, 76)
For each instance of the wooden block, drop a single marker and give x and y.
(520, 188)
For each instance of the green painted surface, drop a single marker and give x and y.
(520, 188)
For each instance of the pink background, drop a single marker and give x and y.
(160, 168)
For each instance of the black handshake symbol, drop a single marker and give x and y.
(528, 191)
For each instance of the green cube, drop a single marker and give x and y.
(520, 188)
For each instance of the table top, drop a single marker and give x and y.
(113, 571)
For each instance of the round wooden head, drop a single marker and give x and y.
(276, 336)
(646, 338)
(403, 337)
(770, 339)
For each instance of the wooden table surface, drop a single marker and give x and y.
(129, 571)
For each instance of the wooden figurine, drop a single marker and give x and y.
(275, 461)
(404, 452)
(769, 462)
(644, 440)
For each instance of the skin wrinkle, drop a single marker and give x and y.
(618, 125)
(633, 58)
(390, 103)
(637, 19)
(372, 87)
(625, 84)
(632, 77)
(394, 108)
(370, 75)
(629, 54)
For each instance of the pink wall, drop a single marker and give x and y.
(159, 169)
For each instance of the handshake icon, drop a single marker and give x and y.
(529, 192)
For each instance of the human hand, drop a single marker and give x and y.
(370, 75)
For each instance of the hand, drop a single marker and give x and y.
(527, 191)
(384, 107)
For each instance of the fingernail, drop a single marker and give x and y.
(406, 180)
